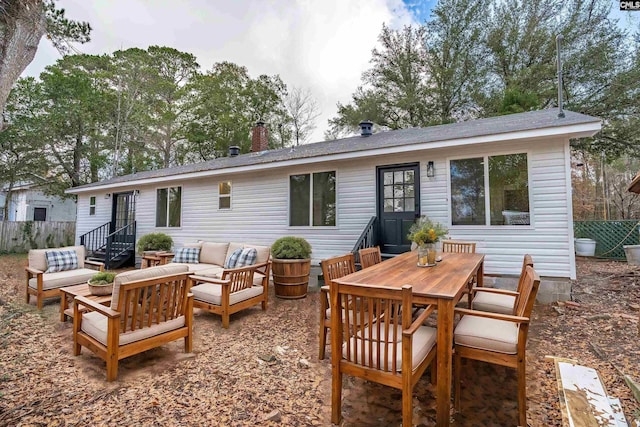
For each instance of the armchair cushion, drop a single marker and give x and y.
(187, 255)
(247, 257)
(233, 259)
(63, 278)
(487, 334)
(95, 325)
(61, 260)
(424, 339)
(263, 253)
(145, 273)
(214, 253)
(212, 293)
(38, 259)
(495, 303)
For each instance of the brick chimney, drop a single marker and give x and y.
(259, 137)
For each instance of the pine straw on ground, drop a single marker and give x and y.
(253, 372)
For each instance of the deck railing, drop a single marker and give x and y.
(95, 239)
(367, 239)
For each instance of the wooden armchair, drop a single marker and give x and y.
(500, 300)
(456, 246)
(235, 290)
(498, 338)
(150, 312)
(332, 268)
(384, 346)
(369, 256)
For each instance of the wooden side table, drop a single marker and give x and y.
(160, 258)
(67, 294)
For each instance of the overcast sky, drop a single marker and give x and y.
(322, 45)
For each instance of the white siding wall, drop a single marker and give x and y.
(86, 222)
(259, 211)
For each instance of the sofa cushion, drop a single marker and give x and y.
(95, 325)
(61, 260)
(63, 278)
(214, 253)
(38, 259)
(197, 268)
(187, 255)
(212, 293)
(233, 259)
(487, 334)
(145, 273)
(216, 273)
(495, 303)
(247, 257)
(263, 253)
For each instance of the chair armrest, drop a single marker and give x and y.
(213, 280)
(325, 289)
(33, 271)
(498, 316)
(419, 320)
(94, 306)
(495, 291)
(98, 264)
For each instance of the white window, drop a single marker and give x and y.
(224, 195)
(168, 207)
(497, 185)
(312, 199)
(92, 205)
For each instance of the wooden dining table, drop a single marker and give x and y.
(442, 285)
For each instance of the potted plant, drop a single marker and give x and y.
(425, 233)
(151, 243)
(101, 283)
(290, 267)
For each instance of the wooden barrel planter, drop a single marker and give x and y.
(291, 277)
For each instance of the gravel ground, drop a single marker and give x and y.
(263, 370)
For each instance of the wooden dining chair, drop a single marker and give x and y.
(332, 268)
(460, 247)
(500, 300)
(384, 346)
(369, 256)
(498, 338)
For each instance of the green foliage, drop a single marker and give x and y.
(102, 278)
(155, 242)
(61, 30)
(426, 231)
(291, 247)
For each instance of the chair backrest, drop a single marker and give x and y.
(458, 247)
(526, 262)
(148, 302)
(239, 278)
(369, 256)
(529, 292)
(371, 326)
(336, 267)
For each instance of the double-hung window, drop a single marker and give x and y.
(168, 206)
(312, 199)
(92, 205)
(490, 190)
(224, 195)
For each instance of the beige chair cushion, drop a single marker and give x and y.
(95, 324)
(192, 268)
(263, 252)
(61, 279)
(424, 339)
(38, 259)
(216, 273)
(495, 303)
(212, 293)
(210, 271)
(487, 334)
(213, 253)
(145, 273)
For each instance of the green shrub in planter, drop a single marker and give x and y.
(291, 247)
(102, 278)
(155, 242)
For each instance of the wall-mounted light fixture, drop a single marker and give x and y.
(431, 170)
(107, 196)
(136, 192)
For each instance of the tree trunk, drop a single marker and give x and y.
(22, 25)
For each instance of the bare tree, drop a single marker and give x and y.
(303, 111)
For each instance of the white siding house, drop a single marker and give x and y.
(28, 203)
(261, 209)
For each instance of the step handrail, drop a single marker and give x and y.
(96, 238)
(368, 238)
(111, 252)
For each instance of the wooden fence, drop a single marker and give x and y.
(20, 236)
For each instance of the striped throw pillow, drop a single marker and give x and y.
(233, 259)
(61, 260)
(187, 255)
(247, 257)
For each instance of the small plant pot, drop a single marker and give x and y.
(291, 277)
(632, 252)
(585, 247)
(100, 290)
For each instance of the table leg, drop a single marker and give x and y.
(63, 306)
(480, 276)
(445, 356)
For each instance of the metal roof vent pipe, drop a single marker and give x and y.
(366, 128)
(234, 150)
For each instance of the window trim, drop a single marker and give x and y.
(155, 207)
(94, 205)
(310, 226)
(230, 195)
(487, 202)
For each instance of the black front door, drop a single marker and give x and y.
(398, 205)
(123, 213)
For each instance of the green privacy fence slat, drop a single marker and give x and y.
(608, 235)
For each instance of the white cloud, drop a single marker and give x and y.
(323, 45)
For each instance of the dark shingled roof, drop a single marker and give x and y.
(491, 126)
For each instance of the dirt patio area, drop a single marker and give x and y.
(256, 372)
